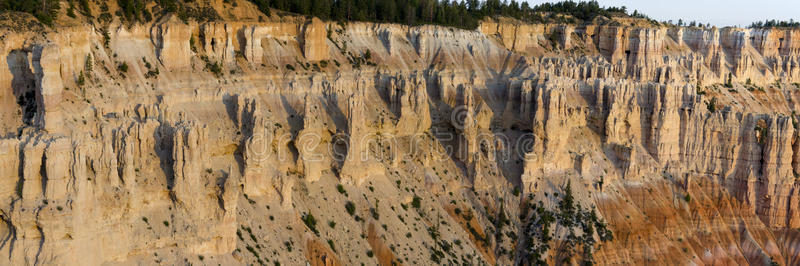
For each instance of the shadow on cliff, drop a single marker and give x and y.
(163, 147)
(23, 83)
(295, 122)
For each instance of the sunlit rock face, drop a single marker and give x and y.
(295, 140)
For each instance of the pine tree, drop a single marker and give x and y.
(263, 6)
(729, 82)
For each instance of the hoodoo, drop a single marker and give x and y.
(234, 132)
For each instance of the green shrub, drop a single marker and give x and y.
(416, 202)
(81, 80)
(729, 82)
(84, 5)
(192, 44)
(712, 105)
(215, 68)
(374, 213)
(71, 10)
(330, 243)
(106, 38)
(123, 67)
(88, 64)
(350, 207)
(263, 6)
(311, 223)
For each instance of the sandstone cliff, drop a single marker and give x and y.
(295, 140)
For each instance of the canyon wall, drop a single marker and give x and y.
(217, 141)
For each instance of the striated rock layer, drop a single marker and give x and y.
(324, 143)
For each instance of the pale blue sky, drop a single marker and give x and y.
(716, 12)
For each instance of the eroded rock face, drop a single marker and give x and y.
(315, 44)
(172, 48)
(431, 138)
(217, 42)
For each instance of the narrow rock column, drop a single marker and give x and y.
(49, 87)
(315, 45)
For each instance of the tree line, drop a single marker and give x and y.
(45, 11)
(775, 24)
(462, 14)
(456, 13)
(129, 10)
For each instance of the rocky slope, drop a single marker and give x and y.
(295, 140)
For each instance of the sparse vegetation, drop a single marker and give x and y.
(123, 67)
(350, 207)
(71, 10)
(311, 223)
(106, 37)
(192, 44)
(152, 72)
(729, 81)
(711, 105)
(81, 80)
(213, 67)
(374, 212)
(358, 60)
(84, 5)
(416, 202)
(88, 64)
(333, 247)
(136, 11)
(582, 227)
